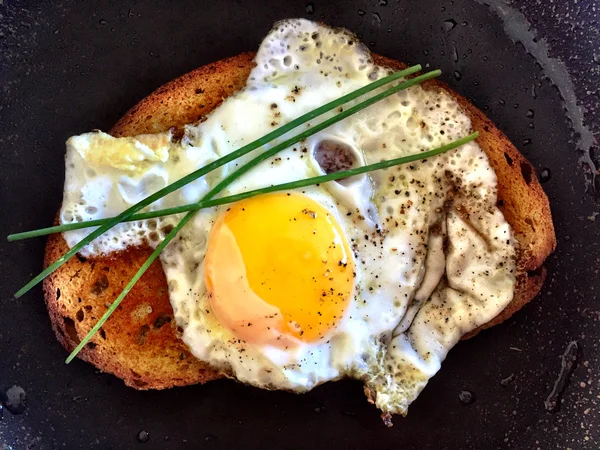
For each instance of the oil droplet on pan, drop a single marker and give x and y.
(545, 175)
(14, 399)
(466, 397)
(449, 24)
(376, 20)
(143, 436)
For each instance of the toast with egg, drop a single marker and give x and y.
(140, 342)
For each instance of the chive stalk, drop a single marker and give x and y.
(239, 172)
(191, 210)
(215, 165)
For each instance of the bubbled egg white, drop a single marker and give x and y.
(433, 257)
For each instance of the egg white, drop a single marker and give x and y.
(405, 314)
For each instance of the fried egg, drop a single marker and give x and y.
(374, 277)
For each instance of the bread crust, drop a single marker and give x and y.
(140, 342)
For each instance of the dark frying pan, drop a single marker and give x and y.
(69, 67)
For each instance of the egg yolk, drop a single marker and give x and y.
(278, 270)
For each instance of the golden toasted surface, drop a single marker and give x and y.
(139, 342)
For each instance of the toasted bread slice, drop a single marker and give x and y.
(140, 342)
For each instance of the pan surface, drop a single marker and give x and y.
(69, 67)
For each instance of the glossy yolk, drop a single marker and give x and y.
(278, 270)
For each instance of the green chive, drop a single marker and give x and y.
(234, 198)
(202, 204)
(320, 179)
(210, 167)
(235, 175)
